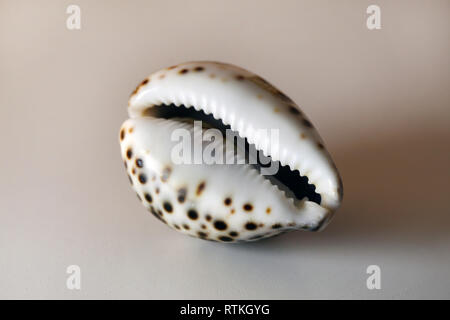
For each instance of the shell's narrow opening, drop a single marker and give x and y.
(290, 181)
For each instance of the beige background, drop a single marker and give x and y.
(380, 99)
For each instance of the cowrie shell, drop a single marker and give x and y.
(228, 202)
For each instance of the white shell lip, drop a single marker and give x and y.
(246, 103)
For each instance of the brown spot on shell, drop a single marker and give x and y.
(251, 226)
(122, 134)
(225, 239)
(186, 227)
(155, 214)
(131, 129)
(133, 170)
(302, 136)
(233, 234)
(168, 207)
(202, 234)
(240, 77)
(208, 217)
(172, 67)
(183, 71)
(144, 82)
(294, 110)
(129, 153)
(203, 226)
(142, 178)
(307, 123)
(220, 225)
(148, 197)
(268, 210)
(182, 195)
(166, 174)
(201, 187)
(227, 201)
(192, 214)
(199, 69)
(176, 226)
(247, 207)
(320, 145)
(139, 163)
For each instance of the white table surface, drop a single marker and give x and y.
(380, 100)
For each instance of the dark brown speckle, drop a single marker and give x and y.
(250, 226)
(182, 195)
(192, 214)
(139, 163)
(148, 197)
(200, 188)
(142, 178)
(294, 110)
(227, 201)
(129, 153)
(166, 174)
(307, 123)
(168, 207)
(202, 234)
(220, 225)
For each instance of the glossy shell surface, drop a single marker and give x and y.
(225, 202)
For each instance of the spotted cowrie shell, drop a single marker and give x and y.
(236, 200)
